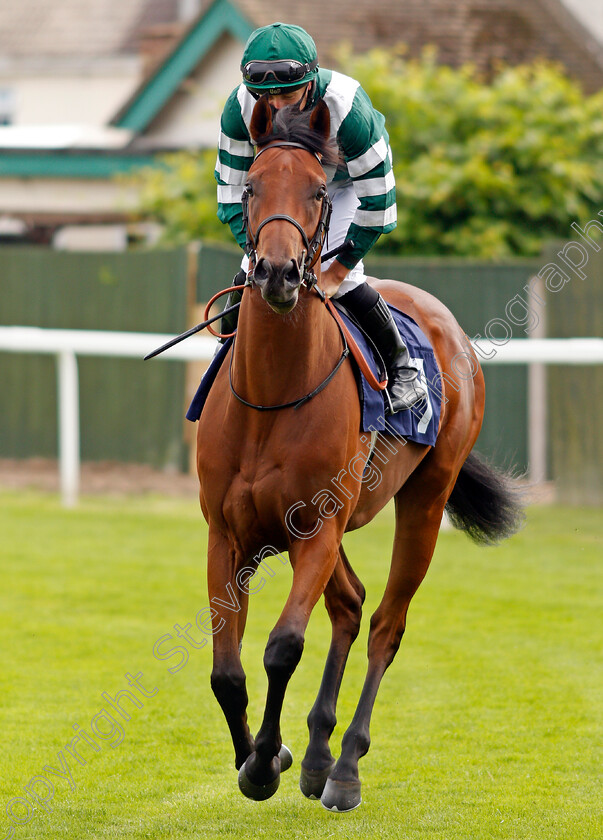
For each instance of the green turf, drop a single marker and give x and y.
(486, 725)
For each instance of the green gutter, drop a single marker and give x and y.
(221, 17)
(61, 165)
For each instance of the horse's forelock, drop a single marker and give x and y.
(293, 126)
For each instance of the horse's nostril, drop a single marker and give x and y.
(292, 274)
(262, 270)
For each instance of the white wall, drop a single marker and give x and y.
(192, 118)
(71, 93)
(56, 196)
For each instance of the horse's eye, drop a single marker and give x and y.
(249, 189)
(321, 193)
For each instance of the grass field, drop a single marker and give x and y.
(487, 724)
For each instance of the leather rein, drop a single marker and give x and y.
(301, 400)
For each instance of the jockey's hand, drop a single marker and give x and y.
(332, 278)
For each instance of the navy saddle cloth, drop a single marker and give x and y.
(419, 424)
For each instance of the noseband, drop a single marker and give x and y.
(312, 246)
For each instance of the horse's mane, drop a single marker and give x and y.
(293, 126)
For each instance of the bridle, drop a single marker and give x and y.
(311, 246)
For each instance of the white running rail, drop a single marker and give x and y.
(67, 345)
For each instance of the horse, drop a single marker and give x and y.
(280, 424)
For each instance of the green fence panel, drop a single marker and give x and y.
(130, 410)
(575, 394)
(217, 265)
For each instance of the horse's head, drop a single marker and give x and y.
(286, 198)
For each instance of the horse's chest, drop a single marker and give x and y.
(253, 501)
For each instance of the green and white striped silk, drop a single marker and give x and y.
(360, 133)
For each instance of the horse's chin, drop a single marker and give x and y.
(282, 307)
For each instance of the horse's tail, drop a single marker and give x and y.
(485, 503)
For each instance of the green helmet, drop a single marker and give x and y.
(279, 56)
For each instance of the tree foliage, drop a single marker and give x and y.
(180, 194)
(484, 170)
(488, 170)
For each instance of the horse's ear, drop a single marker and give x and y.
(261, 119)
(320, 119)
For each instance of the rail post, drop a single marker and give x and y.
(69, 426)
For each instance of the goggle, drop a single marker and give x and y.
(285, 71)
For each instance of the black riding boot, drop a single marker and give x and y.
(229, 322)
(373, 315)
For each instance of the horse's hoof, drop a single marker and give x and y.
(312, 782)
(257, 792)
(286, 758)
(341, 796)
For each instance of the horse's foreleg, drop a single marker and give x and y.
(344, 596)
(228, 614)
(313, 562)
(416, 534)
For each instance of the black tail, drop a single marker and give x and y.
(485, 502)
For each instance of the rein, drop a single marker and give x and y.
(349, 347)
(301, 400)
(310, 255)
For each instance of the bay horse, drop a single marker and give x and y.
(266, 452)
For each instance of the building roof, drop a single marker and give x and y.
(483, 32)
(90, 28)
(42, 29)
(478, 31)
(365, 22)
(222, 16)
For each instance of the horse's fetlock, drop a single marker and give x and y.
(322, 719)
(356, 741)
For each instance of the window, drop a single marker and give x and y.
(7, 106)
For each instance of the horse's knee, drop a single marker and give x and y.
(283, 652)
(354, 616)
(229, 688)
(357, 739)
(385, 637)
(346, 615)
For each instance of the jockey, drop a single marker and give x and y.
(281, 60)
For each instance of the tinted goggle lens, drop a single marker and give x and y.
(285, 72)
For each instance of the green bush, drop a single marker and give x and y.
(180, 194)
(485, 170)
(482, 170)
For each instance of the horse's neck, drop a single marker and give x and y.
(278, 358)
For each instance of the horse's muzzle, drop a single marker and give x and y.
(279, 284)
